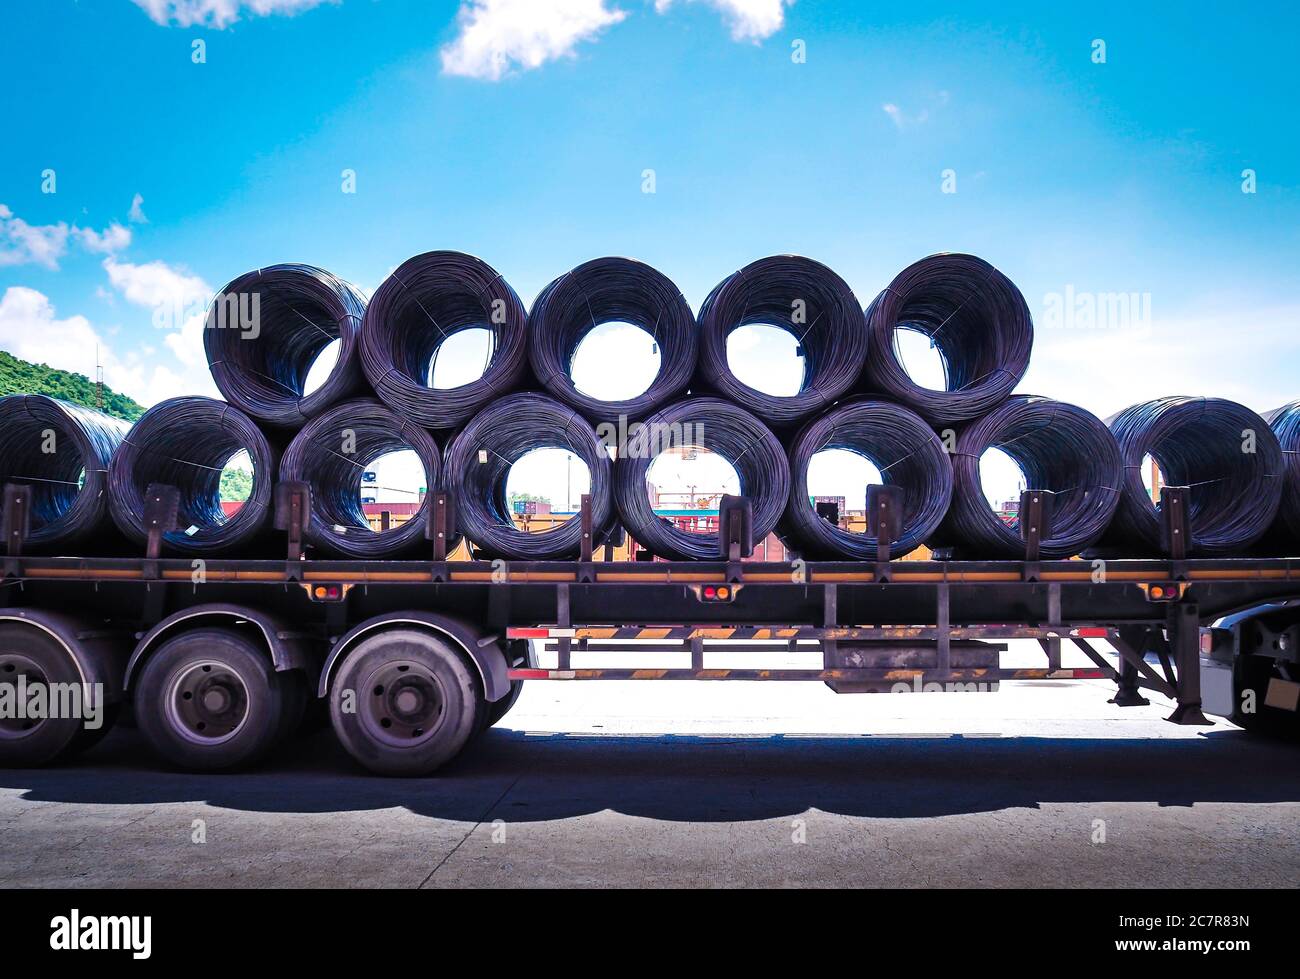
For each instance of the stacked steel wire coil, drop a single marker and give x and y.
(479, 460)
(267, 328)
(186, 443)
(611, 290)
(332, 453)
(61, 452)
(426, 300)
(1225, 454)
(975, 317)
(716, 426)
(902, 447)
(808, 300)
(1062, 450)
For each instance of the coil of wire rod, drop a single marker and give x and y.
(906, 451)
(478, 462)
(1285, 423)
(332, 453)
(264, 331)
(187, 442)
(803, 297)
(974, 316)
(61, 451)
(1060, 448)
(426, 300)
(606, 290)
(700, 423)
(1225, 453)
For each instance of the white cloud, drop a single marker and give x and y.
(177, 298)
(112, 239)
(136, 215)
(903, 120)
(219, 14)
(497, 35)
(749, 20)
(156, 284)
(31, 329)
(22, 243)
(26, 244)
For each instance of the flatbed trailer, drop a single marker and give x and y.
(416, 657)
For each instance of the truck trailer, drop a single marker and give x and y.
(218, 661)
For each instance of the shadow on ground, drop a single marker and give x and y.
(528, 777)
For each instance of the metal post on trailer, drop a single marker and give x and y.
(735, 533)
(292, 514)
(585, 570)
(1175, 528)
(1035, 520)
(439, 526)
(162, 504)
(17, 526)
(884, 517)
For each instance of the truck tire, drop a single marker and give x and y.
(499, 709)
(209, 699)
(519, 652)
(404, 702)
(31, 654)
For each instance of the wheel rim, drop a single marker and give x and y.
(207, 703)
(14, 666)
(402, 704)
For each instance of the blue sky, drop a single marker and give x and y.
(520, 131)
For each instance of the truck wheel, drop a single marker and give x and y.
(30, 657)
(404, 702)
(210, 699)
(498, 709)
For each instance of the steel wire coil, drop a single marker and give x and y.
(264, 331)
(803, 297)
(478, 462)
(1225, 453)
(332, 453)
(606, 290)
(908, 454)
(700, 423)
(61, 451)
(1060, 448)
(974, 316)
(426, 300)
(186, 443)
(1285, 423)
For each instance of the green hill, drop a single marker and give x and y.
(20, 377)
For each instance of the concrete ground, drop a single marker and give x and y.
(704, 784)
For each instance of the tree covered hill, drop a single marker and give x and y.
(19, 377)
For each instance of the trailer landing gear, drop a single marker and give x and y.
(405, 702)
